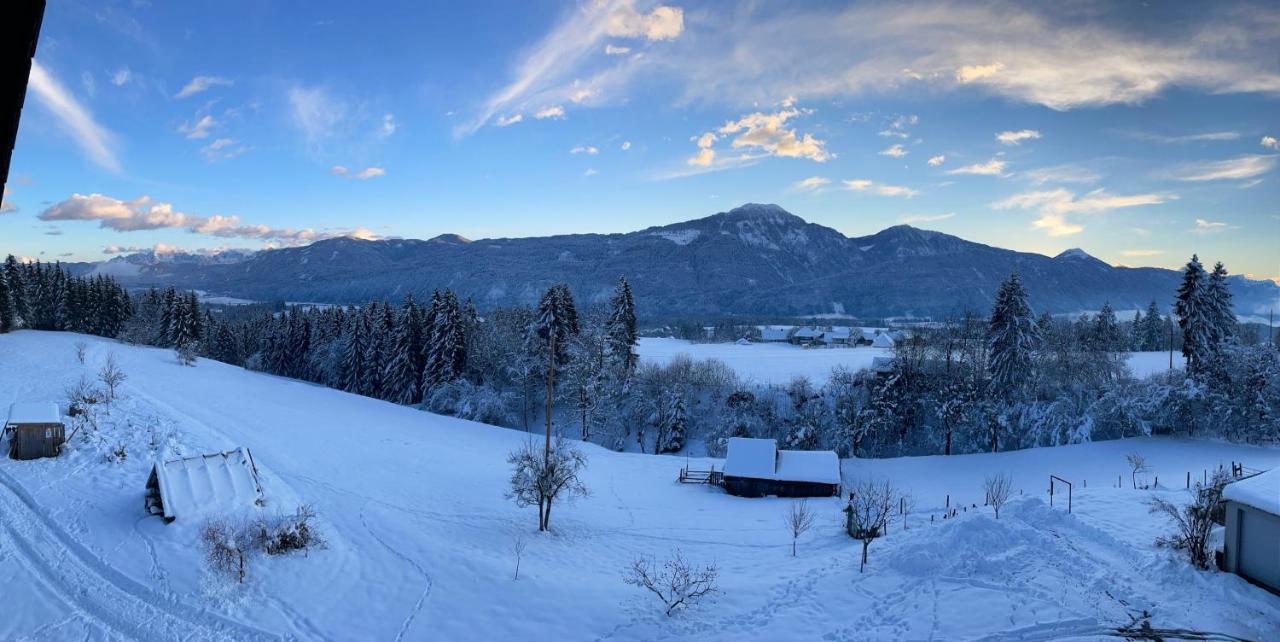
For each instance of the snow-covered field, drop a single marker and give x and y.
(778, 363)
(419, 532)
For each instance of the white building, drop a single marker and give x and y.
(1252, 540)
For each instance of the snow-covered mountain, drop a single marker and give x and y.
(752, 260)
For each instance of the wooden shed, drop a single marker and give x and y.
(213, 483)
(35, 430)
(1252, 540)
(756, 468)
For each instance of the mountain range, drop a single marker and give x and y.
(754, 260)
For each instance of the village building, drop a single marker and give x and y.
(770, 334)
(1252, 540)
(34, 430)
(883, 340)
(840, 336)
(214, 483)
(807, 335)
(756, 468)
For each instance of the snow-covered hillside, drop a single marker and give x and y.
(780, 362)
(412, 505)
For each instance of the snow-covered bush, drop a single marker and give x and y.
(1194, 521)
(677, 582)
(187, 352)
(540, 477)
(473, 402)
(289, 533)
(227, 548)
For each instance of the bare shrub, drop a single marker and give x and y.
(537, 478)
(1194, 521)
(998, 489)
(676, 582)
(518, 544)
(226, 548)
(799, 519)
(82, 349)
(870, 505)
(1137, 464)
(119, 454)
(187, 352)
(111, 376)
(289, 533)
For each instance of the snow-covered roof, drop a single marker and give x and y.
(821, 466)
(774, 334)
(761, 459)
(808, 333)
(40, 412)
(882, 364)
(748, 457)
(1260, 491)
(208, 483)
(837, 333)
(868, 335)
(883, 340)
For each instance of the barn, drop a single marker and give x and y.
(35, 430)
(1252, 540)
(214, 483)
(756, 468)
(883, 340)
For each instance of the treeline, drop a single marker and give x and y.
(44, 296)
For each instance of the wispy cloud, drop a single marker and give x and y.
(1205, 226)
(199, 129)
(1242, 167)
(910, 219)
(553, 111)
(121, 77)
(894, 151)
(507, 121)
(585, 149)
(811, 184)
(1184, 138)
(144, 214)
(864, 185)
(223, 149)
(201, 83)
(388, 126)
(935, 161)
(1064, 173)
(94, 139)
(7, 207)
(1016, 137)
(993, 167)
(362, 175)
(1058, 208)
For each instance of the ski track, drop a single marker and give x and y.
(99, 593)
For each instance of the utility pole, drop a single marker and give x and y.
(551, 383)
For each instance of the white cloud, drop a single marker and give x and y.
(590, 172)
(201, 83)
(935, 161)
(200, 129)
(811, 184)
(993, 167)
(507, 121)
(388, 126)
(362, 175)
(1184, 138)
(613, 50)
(585, 149)
(765, 134)
(662, 23)
(1204, 226)
(1270, 142)
(121, 77)
(924, 218)
(889, 133)
(338, 170)
(553, 111)
(74, 118)
(1015, 138)
(222, 149)
(1059, 207)
(971, 73)
(865, 185)
(7, 207)
(626, 144)
(144, 214)
(316, 113)
(1247, 166)
(895, 151)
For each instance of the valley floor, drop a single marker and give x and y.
(420, 533)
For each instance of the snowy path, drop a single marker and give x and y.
(99, 595)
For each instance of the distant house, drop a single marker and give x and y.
(756, 468)
(868, 337)
(882, 366)
(839, 336)
(1252, 540)
(217, 482)
(806, 336)
(35, 430)
(883, 340)
(775, 335)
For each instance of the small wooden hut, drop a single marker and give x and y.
(35, 430)
(189, 486)
(756, 468)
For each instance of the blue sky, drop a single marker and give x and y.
(1141, 134)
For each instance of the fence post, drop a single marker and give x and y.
(1051, 491)
(948, 500)
(1188, 480)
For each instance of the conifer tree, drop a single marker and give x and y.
(621, 328)
(403, 383)
(353, 363)
(1193, 310)
(1221, 313)
(1011, 337)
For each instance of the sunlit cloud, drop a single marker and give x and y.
(1242, 167)
(1016, 138)
(894, 151)
(811, 184)
(910, 219)
(1205, 226)
(865, 185)
(762, 133)
(1270, 142)
(1058, 208)
(993, 167)
(935, 161)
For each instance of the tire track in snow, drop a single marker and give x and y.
(98, 592)
(426, 591)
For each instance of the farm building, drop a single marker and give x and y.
(756, 468)
(35, 430)
(1252, 541)
(883, 340)
(806, 336)
(217, 482)
(774, 335)
(840, 336)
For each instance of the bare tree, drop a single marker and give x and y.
(227, 548)
(870, 505)
(799, 519)
(998, 488)
(518, 544)
(539, 476)
(111, 376)
(676, 582)
(1193, 521)
(82, 348)
(1137, 464)
(187, 352)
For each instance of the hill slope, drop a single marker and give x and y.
(419, 531)
(752, 260)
